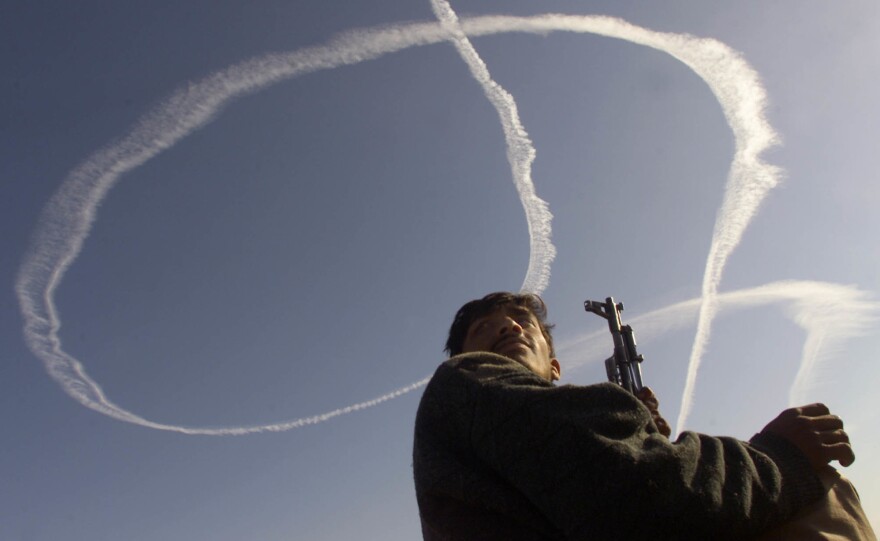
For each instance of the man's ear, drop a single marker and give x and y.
(555, 370)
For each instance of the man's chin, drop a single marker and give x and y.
(515, 356)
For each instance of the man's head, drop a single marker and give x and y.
(509, 324)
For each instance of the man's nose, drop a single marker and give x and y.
(509, 325)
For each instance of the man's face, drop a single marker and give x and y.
(513, 331)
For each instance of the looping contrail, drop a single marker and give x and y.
(67, 219)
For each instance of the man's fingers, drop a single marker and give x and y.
(836, 446)
(816, 432)
(841, 452)
(832, 440)
(645, 394)
(811, 410)
(662, 425)
(833, 436)
(826, 423)
(647, 397)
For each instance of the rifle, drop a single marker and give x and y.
(623, 367)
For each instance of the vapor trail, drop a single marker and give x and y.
(67, 219)
(520, 152)
(828, 313)
(749, 181)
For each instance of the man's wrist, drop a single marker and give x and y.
(800, 483)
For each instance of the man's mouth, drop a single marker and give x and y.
(509, 343)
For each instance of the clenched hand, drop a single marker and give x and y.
(817, 433)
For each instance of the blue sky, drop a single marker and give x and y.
(304, 251)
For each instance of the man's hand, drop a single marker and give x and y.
(646, 395)
(817, 433)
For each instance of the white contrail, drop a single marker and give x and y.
(67, 218)
(828, 313)
(520, 152)
(749, 181)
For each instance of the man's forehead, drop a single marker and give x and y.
(506, 309)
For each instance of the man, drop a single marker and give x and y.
(502, 453)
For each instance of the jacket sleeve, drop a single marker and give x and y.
(592, 460)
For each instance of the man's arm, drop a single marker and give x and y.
(811, 428)
(595, 464)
